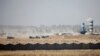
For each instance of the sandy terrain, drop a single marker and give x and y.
(53, 39)
(51, 53)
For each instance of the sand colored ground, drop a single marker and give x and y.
(53, 39)
(51, 53)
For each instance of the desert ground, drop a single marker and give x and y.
(52, 39)
(51, 53)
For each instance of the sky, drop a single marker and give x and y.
(48, 12)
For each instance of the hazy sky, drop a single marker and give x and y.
(48, 12)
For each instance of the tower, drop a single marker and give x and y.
(91, 26)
